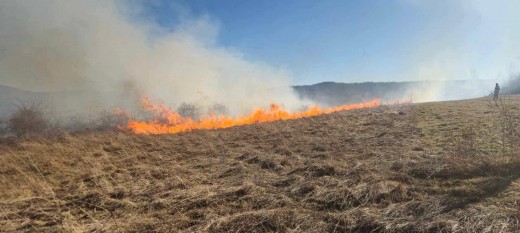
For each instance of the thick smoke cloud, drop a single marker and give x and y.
(98, 53)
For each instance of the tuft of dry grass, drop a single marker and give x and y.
(434, 167)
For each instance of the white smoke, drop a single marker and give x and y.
(464, 40)
(98, 51)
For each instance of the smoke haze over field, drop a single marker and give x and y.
(95, 49)
(110, 53)
(467, 39)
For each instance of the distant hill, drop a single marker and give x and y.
(331, 93)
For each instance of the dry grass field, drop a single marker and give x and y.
(432, 167)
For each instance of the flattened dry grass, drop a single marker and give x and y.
(381, 170)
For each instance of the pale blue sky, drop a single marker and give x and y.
(360, 40)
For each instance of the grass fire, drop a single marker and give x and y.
(259, 116)
(169, 122)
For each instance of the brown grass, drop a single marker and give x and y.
(400, 169)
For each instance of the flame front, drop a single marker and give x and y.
(170, 122)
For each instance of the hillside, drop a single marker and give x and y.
(427, 167)
(332, 93)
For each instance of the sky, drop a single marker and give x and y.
(359, 40)
(247, 54)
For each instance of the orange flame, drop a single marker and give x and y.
(170, 122)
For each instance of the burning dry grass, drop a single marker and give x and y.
(398, 169)
(167, 121)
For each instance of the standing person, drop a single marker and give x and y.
(497, 90)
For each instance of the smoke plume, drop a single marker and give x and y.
(102, 56)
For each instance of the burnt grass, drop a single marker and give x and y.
(388, 169)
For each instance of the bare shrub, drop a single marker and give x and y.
(3, 127)
(77, 123)
(109, 120)
(479, 149)
(189, 110)
(28, 119)
(508, 123)
(56, 127)
(509, 127)
(219, 110)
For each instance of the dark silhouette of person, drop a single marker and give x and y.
(497, 90)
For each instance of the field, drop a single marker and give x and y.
(431, 167)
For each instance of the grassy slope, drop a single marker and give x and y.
(387, 169)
